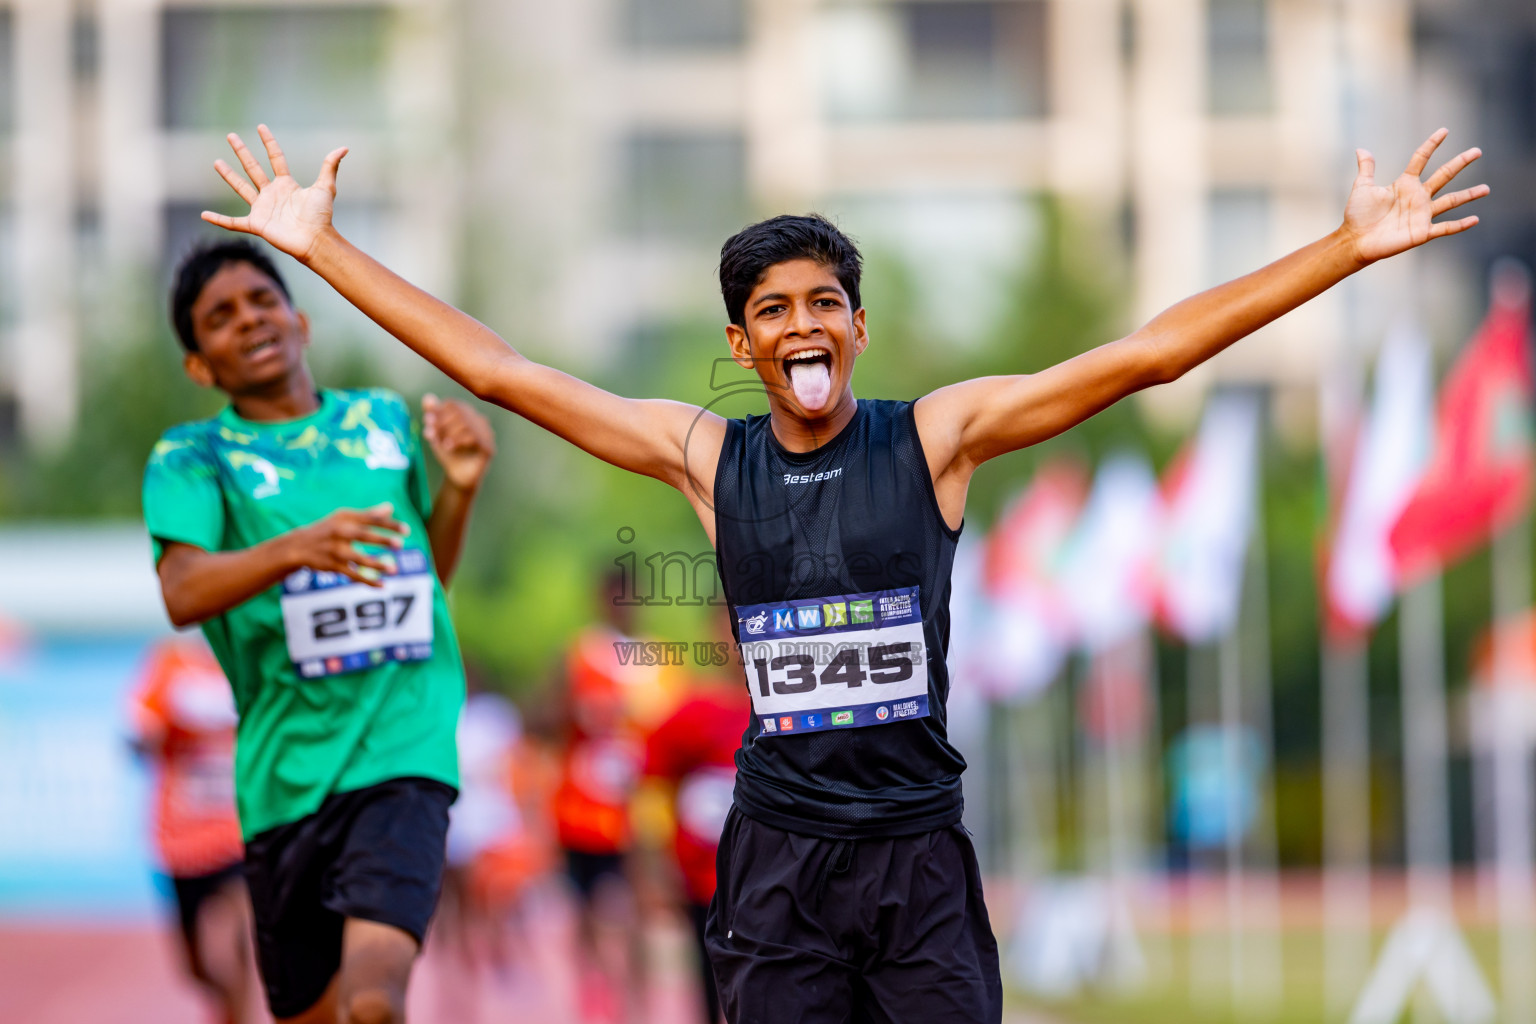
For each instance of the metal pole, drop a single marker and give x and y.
(1205, 967)
(1511, 776)
(1268, 982)
(1425, 798)
(1230, 662)
(1346, 822)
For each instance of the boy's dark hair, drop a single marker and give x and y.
(199, 266)
(747, 255)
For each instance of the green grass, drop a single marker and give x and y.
(1166, 997)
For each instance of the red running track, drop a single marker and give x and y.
(70, 974)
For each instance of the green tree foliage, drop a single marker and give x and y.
(131, 390)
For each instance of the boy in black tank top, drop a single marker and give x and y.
(847, 888)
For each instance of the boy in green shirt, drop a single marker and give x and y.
(296, 528)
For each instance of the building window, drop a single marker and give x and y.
(85, 46)
(7, 72)
(227, 68)
(936, 60)
(1523, 95)
(976, 60)
(1237, 37)
(683, 185)
(1239, 240)
(683, 24)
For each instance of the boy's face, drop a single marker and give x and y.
(248, 336)
(802, 336)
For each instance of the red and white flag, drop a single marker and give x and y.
(1479, 478)
(1028, 630)
(1208, 497)
(1108, 565)
(1391, 451)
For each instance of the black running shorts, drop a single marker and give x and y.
(587, 870)
(871, 930)
(375, 853)
(192, 891)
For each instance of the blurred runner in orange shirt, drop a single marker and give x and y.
(599, 768)
(694, 749)
(183, 717)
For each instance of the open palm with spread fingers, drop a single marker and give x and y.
(1385, 220)
(283, 212)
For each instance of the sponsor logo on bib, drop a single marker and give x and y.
(882, 712)
(755, 624)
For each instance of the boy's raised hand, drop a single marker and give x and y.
(1384, 220)
(460, 437)
(283, 213)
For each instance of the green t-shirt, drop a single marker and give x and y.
(318, 725)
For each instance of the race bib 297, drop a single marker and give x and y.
(835, 662)
(335, 625)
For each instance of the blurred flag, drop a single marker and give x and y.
(1107, 566)
(1028, 625)
(14, 643)
(1208, 495)
(1391, 450)
(1479, 478)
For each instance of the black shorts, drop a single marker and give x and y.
(375, 853)
(825, 930)
(585, 870)
(193, 890)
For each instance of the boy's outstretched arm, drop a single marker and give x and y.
(643, 436)
(965, 424)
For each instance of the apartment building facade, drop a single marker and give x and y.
(569, 170)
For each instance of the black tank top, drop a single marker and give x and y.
(836, 564)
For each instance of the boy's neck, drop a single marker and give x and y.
(288, 399)
(799, 434)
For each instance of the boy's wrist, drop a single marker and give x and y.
(1346, 246)
(326, 242)
(285, 551)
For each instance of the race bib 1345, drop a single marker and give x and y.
(835, 662)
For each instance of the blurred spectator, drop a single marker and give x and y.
(491, 855)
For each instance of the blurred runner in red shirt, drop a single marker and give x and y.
(695, 750)
(183, 717)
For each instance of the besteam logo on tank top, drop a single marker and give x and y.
(812, 478)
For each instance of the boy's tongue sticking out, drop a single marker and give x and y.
(812, 384)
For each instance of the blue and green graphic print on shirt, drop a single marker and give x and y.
(339, 685)
(835, 662)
